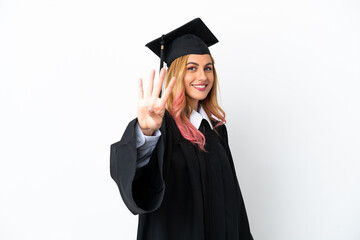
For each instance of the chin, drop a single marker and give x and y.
(201, 98)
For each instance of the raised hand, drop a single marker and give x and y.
(151, 108)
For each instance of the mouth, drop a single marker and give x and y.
(200, 87)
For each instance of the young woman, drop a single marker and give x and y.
(173, 165)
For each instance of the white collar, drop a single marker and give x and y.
(197, 117)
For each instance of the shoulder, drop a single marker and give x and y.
(221, 130)
(170, 127)
(168, 119)
(219, 126)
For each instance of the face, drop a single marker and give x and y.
(199, 78)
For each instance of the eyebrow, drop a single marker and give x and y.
(198, 64)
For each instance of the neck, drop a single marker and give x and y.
(194, 104)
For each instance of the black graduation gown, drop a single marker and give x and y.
(182, 193)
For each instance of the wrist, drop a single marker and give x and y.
(147, 131)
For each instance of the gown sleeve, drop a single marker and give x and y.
(142, 190)
(145, 145)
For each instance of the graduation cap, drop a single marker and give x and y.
(192, 38)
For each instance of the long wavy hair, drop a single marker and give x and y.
(178, 103)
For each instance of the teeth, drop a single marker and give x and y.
(200, 86)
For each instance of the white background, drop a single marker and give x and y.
(289, 76)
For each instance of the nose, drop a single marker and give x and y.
(201, 76)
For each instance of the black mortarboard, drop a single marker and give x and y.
(192, 38)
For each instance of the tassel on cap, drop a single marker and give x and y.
(162, 52)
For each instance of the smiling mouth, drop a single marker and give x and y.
(200, 87)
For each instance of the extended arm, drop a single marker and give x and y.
(135, 163)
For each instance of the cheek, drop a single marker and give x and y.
(187, 80)
(212, 82)
(187, 86)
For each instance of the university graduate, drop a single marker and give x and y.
(173, 165)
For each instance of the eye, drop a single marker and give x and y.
(209, 69)
(191, 68)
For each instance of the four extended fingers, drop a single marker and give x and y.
(156, 92)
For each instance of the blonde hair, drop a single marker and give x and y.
(179, 106)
